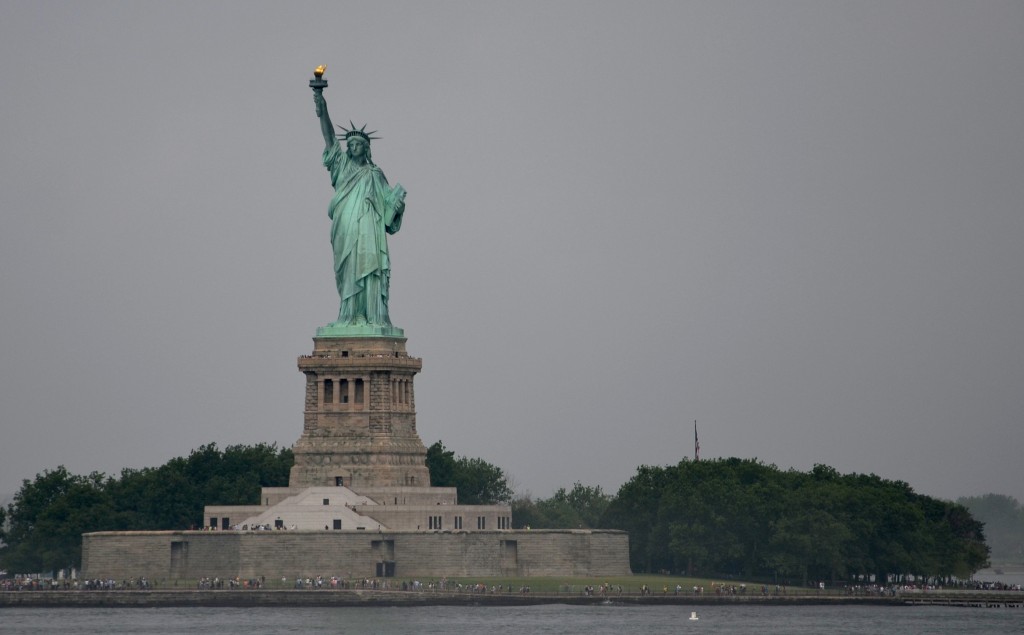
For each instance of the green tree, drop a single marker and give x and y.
(441, 465)
(635, 509)
(49, 514)
(580, 507)
(738, 516)
(172, 496)
(525, 513)
(811, 542)
(481, 483)
(477, 481)
(47, 519)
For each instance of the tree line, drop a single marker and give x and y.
(45, 522)
(720, 517)
(741, 517)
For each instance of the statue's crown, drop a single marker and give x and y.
(356, 132)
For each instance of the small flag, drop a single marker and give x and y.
(696, 442)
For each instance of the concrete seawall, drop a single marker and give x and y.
(303, 598)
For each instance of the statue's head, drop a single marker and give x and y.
(357, 141)
(358, 148)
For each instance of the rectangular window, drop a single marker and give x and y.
(225, 523)
(343, 391)
(337, 523)
(213, 523)
(327, 501)
(481, 522)
(359, 391)
(328, 391)
(458, 522)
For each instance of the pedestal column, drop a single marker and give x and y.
(359, 428)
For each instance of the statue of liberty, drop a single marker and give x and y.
(363, 210)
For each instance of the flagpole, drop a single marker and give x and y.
(696, 442)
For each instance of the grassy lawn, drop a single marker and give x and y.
(657, 584)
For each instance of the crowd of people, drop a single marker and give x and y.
(28, 583)
(33, 583)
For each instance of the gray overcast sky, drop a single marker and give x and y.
(799, 223)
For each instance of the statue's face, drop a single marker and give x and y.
(357, 148)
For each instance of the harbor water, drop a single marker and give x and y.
(606, 619)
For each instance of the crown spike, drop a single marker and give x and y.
(356, 132)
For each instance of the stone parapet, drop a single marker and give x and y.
(274, 554)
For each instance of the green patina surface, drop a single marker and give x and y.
(336, 329)
(363, 210)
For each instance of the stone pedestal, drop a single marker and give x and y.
(360, 419)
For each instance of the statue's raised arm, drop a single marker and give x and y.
(318, 84)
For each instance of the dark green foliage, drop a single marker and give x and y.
(580, 507)
(477, 481)
(172, 496)
(49, 515)
(740, 517)
(1003, 517)
(441, 464)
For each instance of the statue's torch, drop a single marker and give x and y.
(318, 84)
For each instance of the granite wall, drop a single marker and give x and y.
(189, 555)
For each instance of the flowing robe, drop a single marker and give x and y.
(363, 208)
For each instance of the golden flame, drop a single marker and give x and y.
(318, 72)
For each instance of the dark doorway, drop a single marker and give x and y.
(179, 559)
